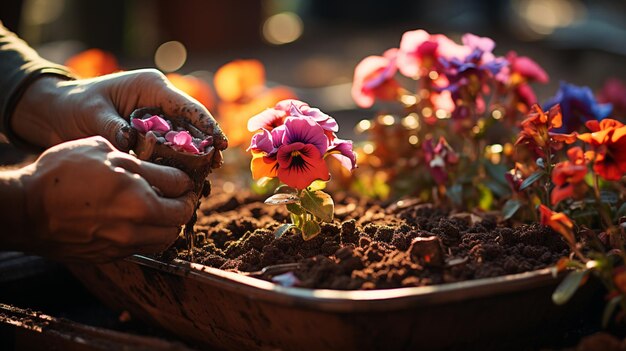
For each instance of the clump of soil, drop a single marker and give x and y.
(368, 246)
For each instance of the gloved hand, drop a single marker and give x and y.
(53, 110)
(84, 200)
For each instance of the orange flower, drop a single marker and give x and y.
(240, 85)
(92, 63)
(194, 87)
(263, 165)
(536, 130)
(568, 177)
(608, 138)
(559, 222)
(239, 80)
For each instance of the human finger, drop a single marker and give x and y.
(114, 128)
(170, 182)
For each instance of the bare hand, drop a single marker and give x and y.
(53, 111)
(85, 200)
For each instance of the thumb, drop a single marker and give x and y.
(116, 129)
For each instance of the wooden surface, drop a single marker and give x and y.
(22, 329)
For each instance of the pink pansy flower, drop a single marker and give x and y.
(274, 117)
(302, 109)
(439, 158)
(374, 78)
(518, 73)
(420, 51)
(294, 151)
(614, 92)
(151, 124)
(181, 141)
(342, 151)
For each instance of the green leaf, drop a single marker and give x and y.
(285, 189)
(498, 188)
(317, 185)
(531, 179)
(296, 209)
(282, 199)
(455, 193)
(310, 230)
(296, 220)
(486, 197)
(540, 162)
(568, 287)
(280, 231)
(510, 208)
(496, 171)
(621, 212)
(608, 197)
(609, 309)
(319, 204)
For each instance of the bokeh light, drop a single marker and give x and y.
(282, 28)
(170, 56)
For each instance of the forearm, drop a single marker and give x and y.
(19, 67)
(12, 209)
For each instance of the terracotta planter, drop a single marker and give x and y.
(215, 308)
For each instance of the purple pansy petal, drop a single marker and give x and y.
(306, 131)
(342, 151)
(262, 141)
(285, 105)
(278, 136)
(484, 44)
(268, 119)
(578, 105)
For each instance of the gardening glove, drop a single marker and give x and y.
(53, 110)
(84, 200)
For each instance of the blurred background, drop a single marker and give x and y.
(314, 45)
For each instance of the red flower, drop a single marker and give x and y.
(374, 79)
(300, 164)
(559, 222)
(568, 177)
(608, 138)
(536, 130)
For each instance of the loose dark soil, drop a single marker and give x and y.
(368, 246)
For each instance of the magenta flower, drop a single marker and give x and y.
(342, 151)
(518, 73)
(439, 159)
(374, 79)
(151, 124)
(181, 141)
(275, 117)
(294, 151)
(420, 52)
(614, 92)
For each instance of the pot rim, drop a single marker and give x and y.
(354, 300)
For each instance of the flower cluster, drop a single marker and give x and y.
(578, 184)
(179, 140)
(292, 142)
(467, 101)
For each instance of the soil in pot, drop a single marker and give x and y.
(368, 246)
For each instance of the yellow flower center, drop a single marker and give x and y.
(295, 153)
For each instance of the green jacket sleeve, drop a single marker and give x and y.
(19, 66)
